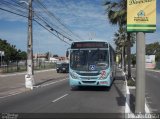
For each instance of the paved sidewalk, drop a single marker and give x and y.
(11, 84)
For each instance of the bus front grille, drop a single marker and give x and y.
(88, 74)
(88, 81)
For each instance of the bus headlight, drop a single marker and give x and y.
(104, 74)
(73, 75)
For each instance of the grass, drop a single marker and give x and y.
(130, 82)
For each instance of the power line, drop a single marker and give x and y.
(44, 19)
(12, 6)
(53, 16)
(47, 12)
(54, 29)
(42, 26)
(13, 13)
(51, 32)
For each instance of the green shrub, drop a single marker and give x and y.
(130, 82)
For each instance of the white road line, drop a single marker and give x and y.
(59, 98)
(10, 95)
(16, 93)
(15, 74)
(51, 83)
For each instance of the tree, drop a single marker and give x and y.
(47, 55)
(23, 55)
(11, 53)
(120, 41)
(133, 59)
(153, 49)
(55, 55)
(117, 14)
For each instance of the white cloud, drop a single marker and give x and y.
(83, 17)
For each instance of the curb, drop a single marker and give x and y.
(127, 104)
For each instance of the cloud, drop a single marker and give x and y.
(83, 17)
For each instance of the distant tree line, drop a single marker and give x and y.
(151, 49)
(11, 53)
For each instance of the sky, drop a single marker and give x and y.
(86, 18)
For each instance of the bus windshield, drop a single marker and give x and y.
(89, 60)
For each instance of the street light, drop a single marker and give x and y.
(29, 79)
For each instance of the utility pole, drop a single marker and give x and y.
(140, 73)
(29, 79)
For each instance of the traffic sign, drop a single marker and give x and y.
(141, 15)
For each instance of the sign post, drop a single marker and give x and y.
(141, 18)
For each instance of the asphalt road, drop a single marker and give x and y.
(152, 92)
(57, 98)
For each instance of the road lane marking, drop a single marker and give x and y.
(59, 98)
(12, 94)
(16, 93)
(51, 83)
(16, 74)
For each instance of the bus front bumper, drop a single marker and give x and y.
(77, 82)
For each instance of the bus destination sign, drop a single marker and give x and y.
(89, 45)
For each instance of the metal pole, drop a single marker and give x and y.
(30, 49)
(140, 73)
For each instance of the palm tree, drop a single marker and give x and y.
(117, 15)
(120, 41)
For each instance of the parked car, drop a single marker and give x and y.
(63, 68)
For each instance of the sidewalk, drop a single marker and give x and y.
(11, 84)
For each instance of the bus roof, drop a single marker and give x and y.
(91, 41)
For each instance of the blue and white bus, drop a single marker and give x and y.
(92, 63)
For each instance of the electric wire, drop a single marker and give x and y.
(39, 24)
(16, 7)
(51, 14)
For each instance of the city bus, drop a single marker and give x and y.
(91, 63)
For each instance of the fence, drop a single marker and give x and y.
(21, 66)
